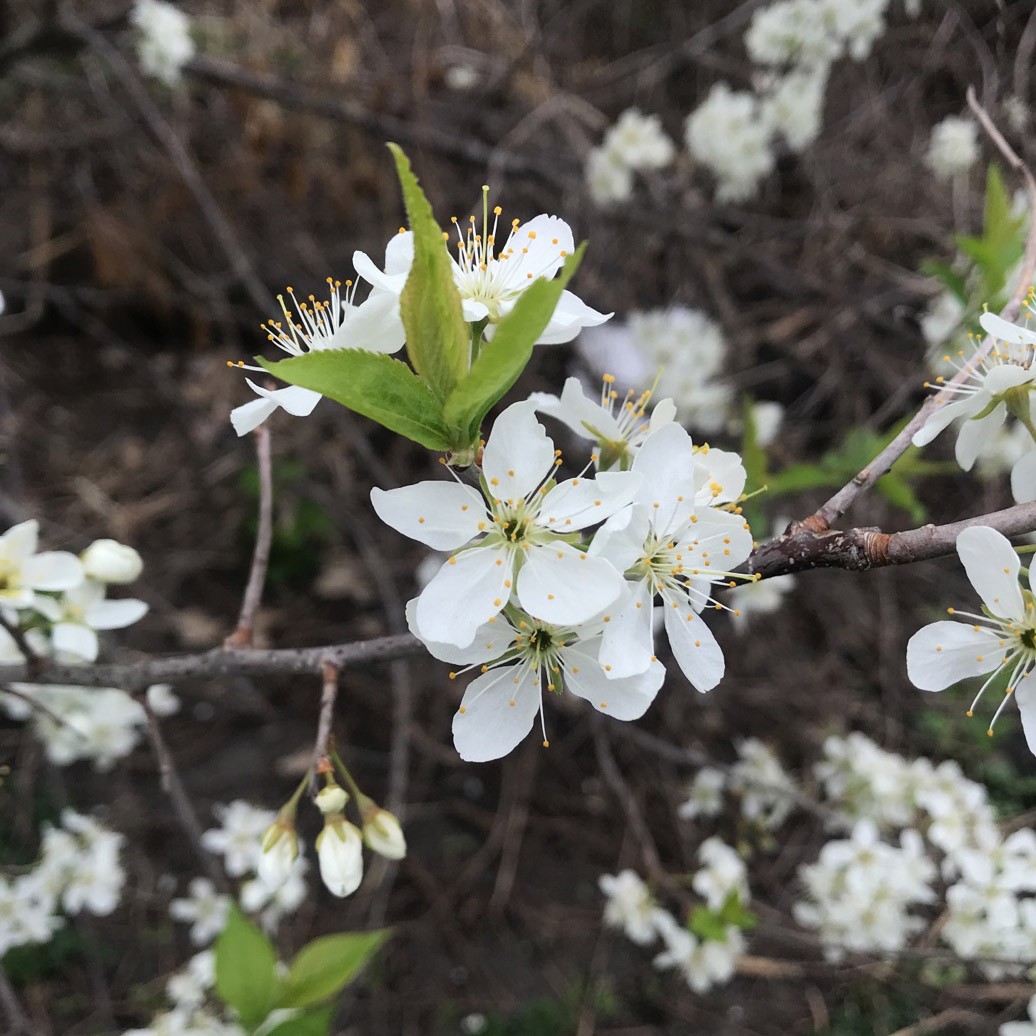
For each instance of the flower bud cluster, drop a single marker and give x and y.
(535, 600)
(79, 870)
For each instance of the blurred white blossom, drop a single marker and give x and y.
(953, 147)
(164, 43)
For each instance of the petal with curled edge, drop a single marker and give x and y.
(1005, 330)
(294, 400)
(496, 713)
(519, 454)
(469, 590)
(946, 413)
(1006, 376)
(570, 316)
(621, 539)
(694, 647)
(944, 653)
(561, 584)
(721, 477)
(992, 566)
(625, 698)
(442, 515)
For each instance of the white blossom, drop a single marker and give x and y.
(767, 791)
(794, 105)
(511, 518)
(953, 147)
(204, 909)
(638, 141)
(792, 32)
(109, 561)
(705, 795)
(24, 572)
(630, 906)
(164, 43)
(704, 963)
(239, 836)
(80, 611)
(608, 178)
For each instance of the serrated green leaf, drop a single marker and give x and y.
(312, 1023)
(503, 359)
(324, 966)
(245, 969)
(378, 386)
(436, 332)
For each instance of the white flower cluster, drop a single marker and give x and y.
(704, 961)
(765, 789)
(634, 142)
(79, 870)
(188, 990)
(489, 277)
(861, 890)
(534, 602)
(59, 602)
(164, 43)
(953, 148)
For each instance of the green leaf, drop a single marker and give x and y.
(950, 279)
(504, 358)
(324, 966)
(436, 332)
(312, 1023)
(899, 492)
(378, 386)
(245, 969)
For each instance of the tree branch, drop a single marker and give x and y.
(328, 697)
(242, 636)
(805, 545)
(135, 676)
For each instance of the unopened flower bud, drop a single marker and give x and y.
(110, 562)
(382, 832)
(331, 799)
(340, 855)
(280, 848)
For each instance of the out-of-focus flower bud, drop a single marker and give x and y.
(340, 854)
(108, 561)
(382, 831)
(280, 848)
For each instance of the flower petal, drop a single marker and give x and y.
(717, 539)
(468, 591)
(52, 570)
(497, 711)
(946, 413)
(492, 639)
(19, 542)
(393, 282)
(579, 502)
(667, 463)
(585, 417)
(561, 584)
(628, 643)
(75, 639)
(375, 325)
(399, 254)
(519, 454)
(992, 566)
(116, 614)
(443, 515)
(944, 653)
(1025, 695)
(975, 435)
(247, 417)
(624, 698)
(1006, 376)
(621, 539)
(724, 479)
(1023, 479)
(570, 316)
(1005, 330)
(694, 647)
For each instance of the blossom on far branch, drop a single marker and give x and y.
(491, 277)
(515, 536)
(164, 43)
(1001, 640)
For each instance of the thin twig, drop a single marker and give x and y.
(951, 1016)
(328, 696)
(834, 508)
(242, 636)
(185, 814)
(135, 676)
(181, 159)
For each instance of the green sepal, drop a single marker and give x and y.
(437, 336)
(372, 384)
(503, 358)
